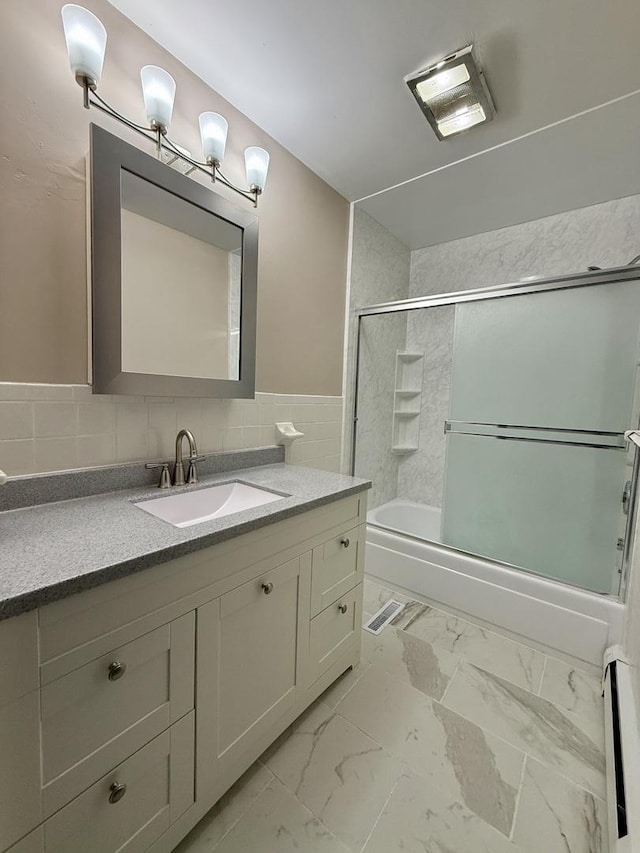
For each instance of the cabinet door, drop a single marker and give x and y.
(20, 809)
(262, 632)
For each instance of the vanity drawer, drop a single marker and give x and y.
(333, 631)
(134, 804)
(98, 714)
(32, 843)
(338, 565)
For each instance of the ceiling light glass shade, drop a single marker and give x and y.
(213, 132)
(159, 91)
(436, 84)
(257, 165)
(461, 120)
(86, 40)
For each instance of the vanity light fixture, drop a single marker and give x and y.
(452, 94)
(86, 40)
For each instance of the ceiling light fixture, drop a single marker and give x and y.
(452, 93)
(86, 40)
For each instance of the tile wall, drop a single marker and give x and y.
(57, 427)
(604, 234)
(379, 273)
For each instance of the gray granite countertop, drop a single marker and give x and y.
(53, 550)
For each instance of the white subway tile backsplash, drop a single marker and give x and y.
(250, 413)
(189, 414)
(96, 418)
(233, 409)
(82, 393)
(132, 446)
(95, 449)
(56, 454)
(251, 436)
(13, 391)
(16, 420)
(52, 420)
(163, 428)
(267, 434)
(18, 456)
(49, 392)
(132, 416)
(232, 439)
(74, 428)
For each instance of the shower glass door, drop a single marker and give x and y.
(542, 390)
(511, 417)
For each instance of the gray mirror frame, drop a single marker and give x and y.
(108, 156)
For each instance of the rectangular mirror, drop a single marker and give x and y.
(174, 270)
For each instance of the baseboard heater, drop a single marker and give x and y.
(622, 740)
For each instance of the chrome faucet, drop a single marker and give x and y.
(178, 471)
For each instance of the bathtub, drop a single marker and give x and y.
(559, 617)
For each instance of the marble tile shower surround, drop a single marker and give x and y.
(383, 762)
(605, 234)
(60, 427)
(378, 346)
(380, 266)
(421, 475)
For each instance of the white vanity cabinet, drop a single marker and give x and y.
(127, 710)
(258, 646)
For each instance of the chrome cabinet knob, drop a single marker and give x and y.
(116, 670)
(116, 792)
(267, 588)
(342, 608)
(345, 542)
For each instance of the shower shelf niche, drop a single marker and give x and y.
(407, 400)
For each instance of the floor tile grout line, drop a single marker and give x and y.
(365, 669)
(524, 752)
(518, 797)
(451, 710)
(384, 805)
(544, 669)
(446, 689)
(310, 810)
(465, 660)
(249, 806)
(563, 775)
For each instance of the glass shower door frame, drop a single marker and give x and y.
(614, 275)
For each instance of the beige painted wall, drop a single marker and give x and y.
(43, 327)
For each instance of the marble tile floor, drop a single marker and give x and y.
(447, 738)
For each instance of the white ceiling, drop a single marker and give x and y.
(326, 80)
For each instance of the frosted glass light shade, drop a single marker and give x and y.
(256, 162)
(158, 91)
(86, 40)
(213, 132)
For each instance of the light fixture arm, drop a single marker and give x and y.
(158, 136)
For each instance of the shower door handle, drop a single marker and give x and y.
(626, 497)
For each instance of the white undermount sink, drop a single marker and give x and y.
(200, 505)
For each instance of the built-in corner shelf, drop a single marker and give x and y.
(407, 402)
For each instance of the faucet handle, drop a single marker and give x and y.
(192, 471)
(165, 476)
